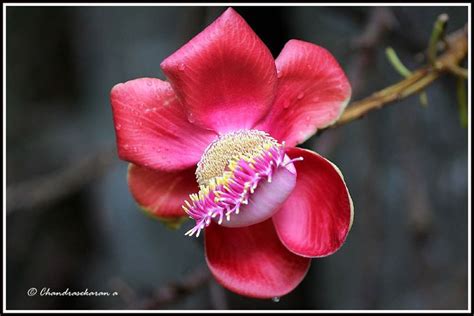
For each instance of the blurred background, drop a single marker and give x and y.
(72, 223)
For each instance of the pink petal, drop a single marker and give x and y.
(316, 218)
(161, 193)
(267, 198)
(312, 93)
(225, 75)
(251, 260)
(151, 126)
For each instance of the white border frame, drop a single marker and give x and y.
(187, 4)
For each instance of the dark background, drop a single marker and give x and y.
(72, 223)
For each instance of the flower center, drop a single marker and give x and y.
(229, 172)
(244, 144)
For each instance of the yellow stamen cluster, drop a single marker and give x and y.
(221, 157)
(205, 189)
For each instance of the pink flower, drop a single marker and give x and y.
(223, 129)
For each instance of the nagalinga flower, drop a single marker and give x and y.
(220, 135)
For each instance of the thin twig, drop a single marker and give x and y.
(42, 191)
(457, 70)
(417, 81)
(174, 291)
(380, 22)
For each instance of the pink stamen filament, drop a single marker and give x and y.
(291, 161)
